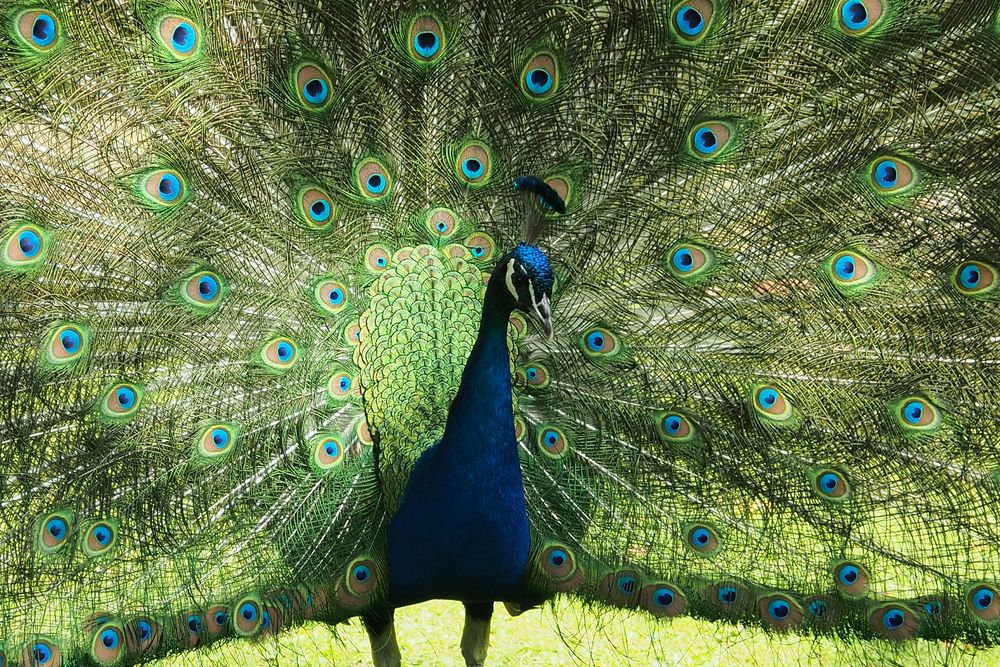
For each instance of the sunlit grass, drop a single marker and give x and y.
(429, 634)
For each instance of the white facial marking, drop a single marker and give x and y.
(510, 279)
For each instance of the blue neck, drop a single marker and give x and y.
(461, 530)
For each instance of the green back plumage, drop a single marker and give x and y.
(775, 310)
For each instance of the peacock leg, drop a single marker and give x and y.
(476, 634)
(382, 635)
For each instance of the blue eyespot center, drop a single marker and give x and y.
(683, 260)
(315, 91)
(982, 599)
(220, 437)
(319, 211)
(932, 608)
(361, 572)
(848, 575)
(110, 638)
(70, 340)
(345, 383)
(43, 30)
(41, 653)
(550, 438)
(672, 424)
(145, 630)
(595, 341)
(705, 141)
(778, 610)
(375, 184)
(208, 287)
(472, 168)
(30, 243)
(913, 412)
(886, 173)
(893, 619)
(538, 81)
(57, 527)
(969, 276)
(557, 558)
(125, 397)
(845, 267)
(336, 296)
(854, 14)
(103, 535)
(184, 37)
(426, 44)
(194, 624)
(248, 611)
(829, 481)
(690, 21)
(626, 585)
(284, 351)
(727, 595)
(381, 261)
(767, 398)
(169, 187)
(663, 597)
(701, 536)
(478, 251)
(532, 372)
(817, 608)
(331, 449)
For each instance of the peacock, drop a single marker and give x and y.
(312, 310)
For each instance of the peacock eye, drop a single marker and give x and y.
(770, 402)
(248, 616)
(534, 375)
(42, 653)
(26, 246)
(330, 296)
(892, 175)
(552, 442)
(180, 36)
(472, 164)
(691, 20)
(121, 401)
(361, 577)
(108, 644)
(279, 354)
(894, 622)
(727, 595)
(340, 385)
(702, 539)
(851, 273)
(53, 532)
(441, 222)
(709, 140)
(426, 39)
(216, 441)
(540, 77)
(312, 85)
(66, 344)
(99, 538)
(975, 278)
(599, 342)
(327, 452)
(915, 414)
(674, 427)
(377, 258)
(203, 291)
(315, 208)
(984, 602)
(39, 29)
(850, 579)
(663, 600)
(856, 17)
(830, 484)
(480, 246)
(373, 180)
(163, 188)
(689, 262)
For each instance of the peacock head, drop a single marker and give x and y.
(529, 279)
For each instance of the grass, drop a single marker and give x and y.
(429, 634)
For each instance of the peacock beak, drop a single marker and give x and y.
(542, 313)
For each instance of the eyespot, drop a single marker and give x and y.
(856, 17)
(687, 261)
(42, 653)
(823, 611)
(620, 589)
(39, 29)
(730, 598)
(143, 635)
(916, 415)
(327, 452)
(99, 538)
(53, 531)
(216, 621)
(540, 77)
(163, 188)
(441, 223)
(248, 614)
(312, 87)
(203, 291)
(121, 401)
(674, 427)
(709, 140)
(552, 442)
(691, 20)
(109, 644)
(480, 246)
(361, 577)
(558, 566)
(216, 441)
(26, 246)
(779, 612)
(534, 375)
(373, 180)
(179, 36)
(975, 278)
(426, 39)
(894, 622)
(702, 539)
(341, 385)
(279, 354)
(190, 626)
(599, 343)
(984, 603)
(770, 402)
(315, 207)
(519, 428)
(472, 164)
(892, 175)
(363, 433)
(377, 258)
(330, 295)
(850, 272)
(518, 325)
(662, 600)
(352, 333)
(850, 579)
(830, 484)
(67, 344)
